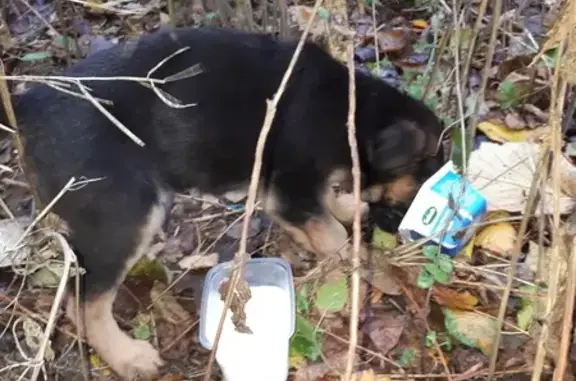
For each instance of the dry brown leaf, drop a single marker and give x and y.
(453, 299)
(369, 375)
(515, 121)
(165, 302)
(384, 327)
(300, 16)
(499, 237)
(392, 40)
(334, 363)
(199, 261)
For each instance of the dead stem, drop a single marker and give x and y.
(356, 235)
(530, 205)
(557, 103)
(241, 257)
(496, 11)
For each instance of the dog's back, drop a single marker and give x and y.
(240, 72)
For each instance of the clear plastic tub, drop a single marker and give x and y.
(270, 314)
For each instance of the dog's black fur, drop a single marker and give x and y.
(211, 147)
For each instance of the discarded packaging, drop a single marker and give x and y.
(446, 210)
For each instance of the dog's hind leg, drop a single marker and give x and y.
(110, 234)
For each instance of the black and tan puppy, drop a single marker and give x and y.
(210, 147)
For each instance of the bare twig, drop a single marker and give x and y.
(497, 10)
(557, 100)
(69, 258)
(356, 234)
(241, 257)
(561, 364)
(530, 205)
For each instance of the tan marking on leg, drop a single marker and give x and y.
(132, 359)
(373, 193)
(322, 235)
(402, 190)
(343, 206)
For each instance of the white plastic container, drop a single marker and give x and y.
(430, 214)
(270, 314)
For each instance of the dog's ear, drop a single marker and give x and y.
(399, 145)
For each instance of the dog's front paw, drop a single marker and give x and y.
(136, 360)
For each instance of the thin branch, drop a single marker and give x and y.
(356, 227)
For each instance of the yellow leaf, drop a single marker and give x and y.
(471, 328)
(466, 253)
(96, 363)
(420, 24)
(453, 299)
(498, 237)
(297, 361)
(383, 240)
(502, 134)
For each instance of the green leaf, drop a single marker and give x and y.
(332, 296)
(305, 329)
(301, 346)
(470, 328)
(425, 279)
(438, 274)
(306, 340)
(430, 251)
(510, 94)
(445, 263)
(430, 339)
(303, 299)
(407, 357)
(323, 13)
(458, 155)
(35, 56)
(383, 240)
(525, 316)
(142, 332)
(63, 42)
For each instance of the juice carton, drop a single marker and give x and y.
(445, 210)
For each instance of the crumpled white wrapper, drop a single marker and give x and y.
(503, 174)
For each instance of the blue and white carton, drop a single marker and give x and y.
(446, 209)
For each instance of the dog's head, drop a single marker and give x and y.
(401, 156)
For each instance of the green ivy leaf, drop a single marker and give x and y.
(35, 56)
(142, 332)
(425, 279)
(303, 299)
(407, 357)
(306, 340)
(430, 251)
(445, 263)
(438, 274)
(430, 339)
(332, 296)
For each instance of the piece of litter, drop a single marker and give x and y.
(10, 233)
(503, 174)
